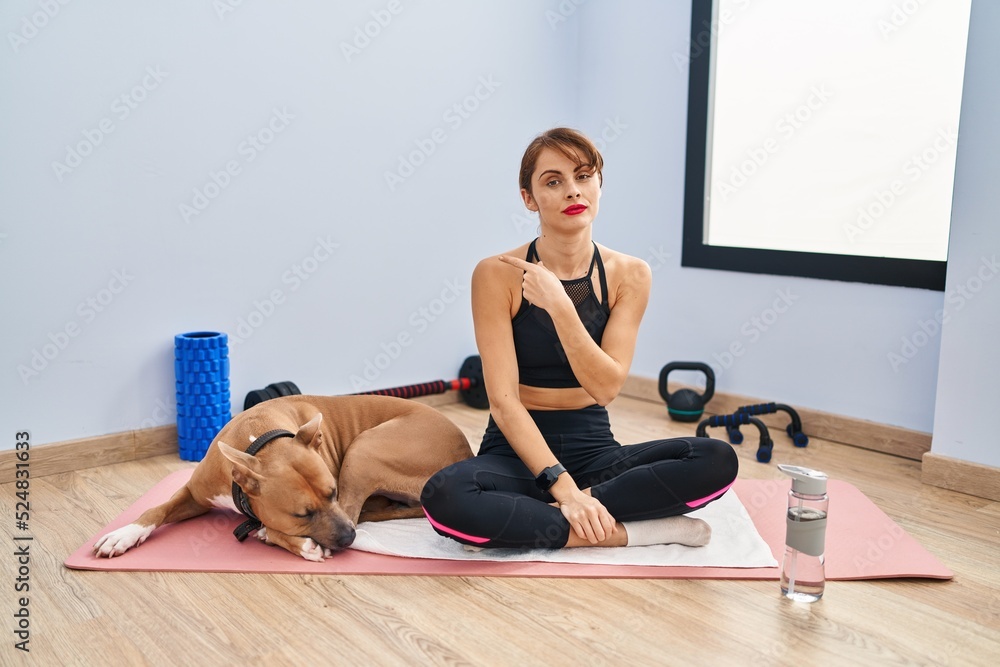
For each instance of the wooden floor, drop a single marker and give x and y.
(102, 618)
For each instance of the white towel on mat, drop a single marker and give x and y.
(735, 543)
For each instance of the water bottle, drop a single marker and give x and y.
(802, 575)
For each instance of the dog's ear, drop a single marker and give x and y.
(310, 434)
(247, 480)
(238, 457)
(244, 469)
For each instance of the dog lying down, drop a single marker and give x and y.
(324, 464)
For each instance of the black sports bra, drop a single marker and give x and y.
(541, 361)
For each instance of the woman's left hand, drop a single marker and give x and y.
(587, 517)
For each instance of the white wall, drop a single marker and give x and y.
(344, 119)
(830, 348)
(614, 69)
(968, 391)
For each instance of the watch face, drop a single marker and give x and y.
(548, 477)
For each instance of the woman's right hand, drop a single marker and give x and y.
(588, 518)
(539, 286)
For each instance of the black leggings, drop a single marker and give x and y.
(492, 501)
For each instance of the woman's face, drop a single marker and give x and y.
(564, 193)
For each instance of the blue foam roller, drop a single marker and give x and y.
(203, 410)
(201, 370)
(190, 385)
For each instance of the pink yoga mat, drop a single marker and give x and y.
(862, 543)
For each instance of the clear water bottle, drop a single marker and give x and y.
(802, 574)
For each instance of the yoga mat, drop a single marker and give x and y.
(862, 543)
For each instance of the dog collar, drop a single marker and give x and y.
(240, 498)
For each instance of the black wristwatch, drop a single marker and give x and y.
(549, 476)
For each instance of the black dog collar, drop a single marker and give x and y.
(240, 498)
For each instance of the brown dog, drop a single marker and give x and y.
(351, 458)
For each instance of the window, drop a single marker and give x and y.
(822, 137)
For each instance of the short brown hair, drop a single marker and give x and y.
(571, 143)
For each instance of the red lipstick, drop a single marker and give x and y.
(575, 209)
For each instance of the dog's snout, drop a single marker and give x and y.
(346, 538)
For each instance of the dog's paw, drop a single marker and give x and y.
(119, 541)
(312, 551)
(262, 535)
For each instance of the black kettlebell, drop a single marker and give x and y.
(685, 405)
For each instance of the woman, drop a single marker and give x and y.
(556, 339)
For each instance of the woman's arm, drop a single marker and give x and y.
(491, 308)
(601, 370)
(493, 292)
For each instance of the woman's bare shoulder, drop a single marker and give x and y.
(625, 267)
(491, 266)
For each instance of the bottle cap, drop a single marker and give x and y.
(805, 480)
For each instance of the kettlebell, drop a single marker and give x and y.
(686, 405)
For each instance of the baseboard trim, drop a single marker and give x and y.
(99, 450)
(968, 477)
(836, 428)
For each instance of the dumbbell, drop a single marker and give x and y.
(687, 405)
(794, 428)
(766, 445)
(273, 390)
(469, 384)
